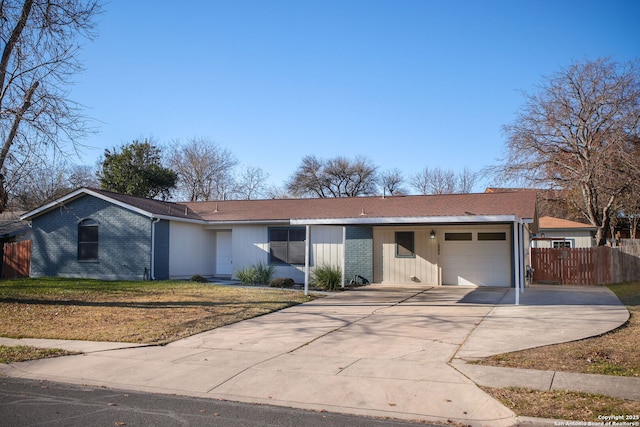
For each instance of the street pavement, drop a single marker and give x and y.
(26, 403)
(381, 351)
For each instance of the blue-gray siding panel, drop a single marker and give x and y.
(124, 242)
(359, 252)
(161, 252)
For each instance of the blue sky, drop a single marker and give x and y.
(406, 83)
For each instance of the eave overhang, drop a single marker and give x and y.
(466, 219)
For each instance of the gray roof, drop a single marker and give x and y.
(11, 225)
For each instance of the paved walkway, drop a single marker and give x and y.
(390, 351)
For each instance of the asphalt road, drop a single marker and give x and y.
(43, 403)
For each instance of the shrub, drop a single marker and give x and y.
(198, 278)
(281, 282)
(264, 273)
(258, 274)
(327, 277)
(247, 275)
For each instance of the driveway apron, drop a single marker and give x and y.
(380, 350)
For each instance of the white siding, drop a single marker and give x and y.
(251, 246)
(326, 246)
(191, 250)
(388, 268)
(578, 238)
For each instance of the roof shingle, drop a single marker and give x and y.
(519, 203)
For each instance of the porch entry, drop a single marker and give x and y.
(405, 255)
(223, 253)
(478, 256)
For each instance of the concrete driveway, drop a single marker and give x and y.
(380, 350)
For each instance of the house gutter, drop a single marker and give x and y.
(466, 219)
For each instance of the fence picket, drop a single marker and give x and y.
(585, 266)
(16, 259)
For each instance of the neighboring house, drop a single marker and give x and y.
(561, 233)
(12, 230)
(467, 239)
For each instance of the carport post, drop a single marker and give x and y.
(516, 260)
(306, 259)
(522, 252)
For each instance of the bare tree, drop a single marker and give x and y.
(45, 178)
(83, 176)
(39, 58)
(205, 170)
(392, 182)
(275, 192)
(630, 208)
(251, 183)
(443, 181)
(337, 177)
(466, 181)
(576, 134)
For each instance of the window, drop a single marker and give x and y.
(561, 245)
(457, 237)
(286, 245)
(492, 236)
(88, 240)
(405, 244)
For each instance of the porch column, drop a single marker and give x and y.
(306, 259)
(518, 258)
(516, 261)
(522, 252)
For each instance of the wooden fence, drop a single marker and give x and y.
(16, 260)
(586, 266)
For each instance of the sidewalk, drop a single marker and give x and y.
(386, 351)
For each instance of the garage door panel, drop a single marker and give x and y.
(479, 263)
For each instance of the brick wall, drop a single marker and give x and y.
(359, 252)
(124, 242)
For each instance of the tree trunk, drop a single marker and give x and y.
(26, 103)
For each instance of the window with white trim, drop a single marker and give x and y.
(561, 244)
(88, 240)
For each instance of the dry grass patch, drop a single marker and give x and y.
(614, 353)
(137, 312)
(22, 353)
(566, 405)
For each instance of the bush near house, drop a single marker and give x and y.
(327, 277)
(282, 282)
(258, 274)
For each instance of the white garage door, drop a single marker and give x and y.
(481, 258)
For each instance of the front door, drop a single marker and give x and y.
(223, 253)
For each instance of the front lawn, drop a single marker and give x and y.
(122, 311)
(614, 353)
